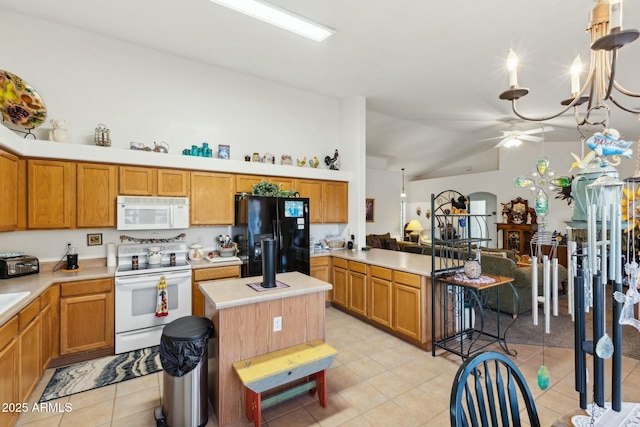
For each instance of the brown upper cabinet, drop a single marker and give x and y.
(173, 183)
(212, 198)
(64, 194)
(51, 194)
(8, 191)
(328, 200)
(137, 181)
(143, 181)
(313, 190)
(96, 194)
(244, 182)
(335, 202)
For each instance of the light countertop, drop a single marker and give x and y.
(219, 262)
(395, 260)
(236, 292)
(38, 283)
(226, 293)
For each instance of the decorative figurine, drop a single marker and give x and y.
(285, 159)
(268, 158)
(102, 136)
(332, 162)
(302, 162)
(60, 131)
(314, 162)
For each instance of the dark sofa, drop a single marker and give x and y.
(497, 262)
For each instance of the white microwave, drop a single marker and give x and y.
(152, 213)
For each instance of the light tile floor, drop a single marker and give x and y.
(376, 380)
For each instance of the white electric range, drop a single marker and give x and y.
(136, 293)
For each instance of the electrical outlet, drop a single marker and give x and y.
(277, 324)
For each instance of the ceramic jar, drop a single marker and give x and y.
(472, 268)
(155, 256)
(196, 252)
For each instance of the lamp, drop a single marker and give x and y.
(279, 17)
(403, 194)
(414, 225)
(414, 228)
(607, 36)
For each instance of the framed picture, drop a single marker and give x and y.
(369, 209)
(94, 239)
(224, 152)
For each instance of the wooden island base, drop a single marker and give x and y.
(243, 322)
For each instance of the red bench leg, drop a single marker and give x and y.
(253, 407)
(321, 385)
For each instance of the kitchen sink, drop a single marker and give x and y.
(9, 300)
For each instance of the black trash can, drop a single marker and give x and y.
(183, 354)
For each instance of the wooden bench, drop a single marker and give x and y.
(262, 373)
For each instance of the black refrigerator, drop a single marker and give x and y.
(285, 219)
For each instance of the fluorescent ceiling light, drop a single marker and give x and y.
(279, 17)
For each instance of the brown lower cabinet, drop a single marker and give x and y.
(27, 344)
(86, 315)
(357, 288)
(381, 295)
(340, 282)
(205, 274)
(320, 269)
(9, 369)
(395, 300)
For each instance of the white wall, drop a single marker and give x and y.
(385, 187)
(514, 162)
(144, 95)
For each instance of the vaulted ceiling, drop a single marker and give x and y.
(431, 71)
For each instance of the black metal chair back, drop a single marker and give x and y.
(486, 390)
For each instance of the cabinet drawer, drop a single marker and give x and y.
(232, 271)
(319, 261)
(358, 266)
(379, 272)
(408, 279)
(47, 297)
(8, 331)
(29, 313)
(341, 263)
(85, 287)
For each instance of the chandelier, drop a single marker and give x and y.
(607, 36)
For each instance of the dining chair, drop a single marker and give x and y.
(487, 391)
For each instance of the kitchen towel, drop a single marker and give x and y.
(162, 306)
(111, 254)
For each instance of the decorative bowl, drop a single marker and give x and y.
(227, 252)
(335, 243)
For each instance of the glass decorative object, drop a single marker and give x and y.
(102, 136)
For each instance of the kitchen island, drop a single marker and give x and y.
(243, 319)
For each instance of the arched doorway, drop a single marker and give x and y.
(484, 203)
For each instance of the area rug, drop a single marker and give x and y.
(92, 374)
(524, 331)
(628, 416)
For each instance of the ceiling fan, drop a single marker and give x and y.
(515, 135)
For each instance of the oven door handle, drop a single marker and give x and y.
(150, 278)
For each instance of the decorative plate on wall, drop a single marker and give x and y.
(20, 104)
